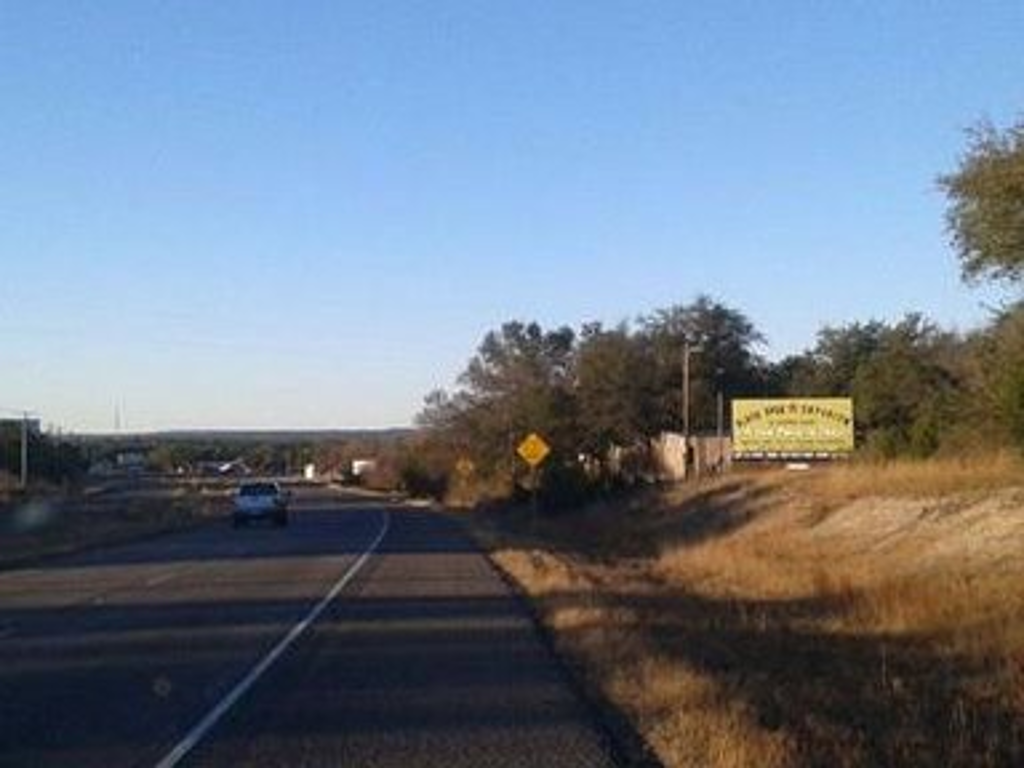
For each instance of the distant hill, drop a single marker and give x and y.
(262, 436)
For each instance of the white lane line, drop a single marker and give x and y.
(158, 580)
(204, 726)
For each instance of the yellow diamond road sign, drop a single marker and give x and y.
(533, 450)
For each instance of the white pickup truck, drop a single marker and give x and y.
(260, 500)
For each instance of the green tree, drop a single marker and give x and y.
(727, 361)
(985, 216)
(49, 457)
(905, 395)
(909, 381)
(831, 367)
(615, 388)
(519, 381)
(995, 370)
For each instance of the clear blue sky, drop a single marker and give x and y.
(307, 214)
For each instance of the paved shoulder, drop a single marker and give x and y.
(426, 660)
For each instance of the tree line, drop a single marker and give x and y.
(50, 457)
(918, 389)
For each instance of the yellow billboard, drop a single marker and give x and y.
(807, 426)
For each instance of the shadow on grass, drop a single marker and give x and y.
(846, 696)
(847, 699)
(619, 530)
(713, 513)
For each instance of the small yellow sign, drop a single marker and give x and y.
(465, 466)
(533, 450)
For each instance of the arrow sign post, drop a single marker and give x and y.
(533, 450)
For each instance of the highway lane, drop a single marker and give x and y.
(424, 658)
(108, 657)
(429, 660)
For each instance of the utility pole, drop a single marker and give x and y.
(719, 414)
(23, 478)
(687, 351)
(24, 450)
(719, 406)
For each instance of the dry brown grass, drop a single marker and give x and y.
(51, 525)
(903, 478)
(857, 615)
(682, 714)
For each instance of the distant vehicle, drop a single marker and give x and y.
(233, 468)
(261, 500)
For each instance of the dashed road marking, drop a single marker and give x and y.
(158, 580)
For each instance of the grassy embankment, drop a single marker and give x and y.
(848, 616)
(54, 523)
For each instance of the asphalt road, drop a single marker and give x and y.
(361, 635)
